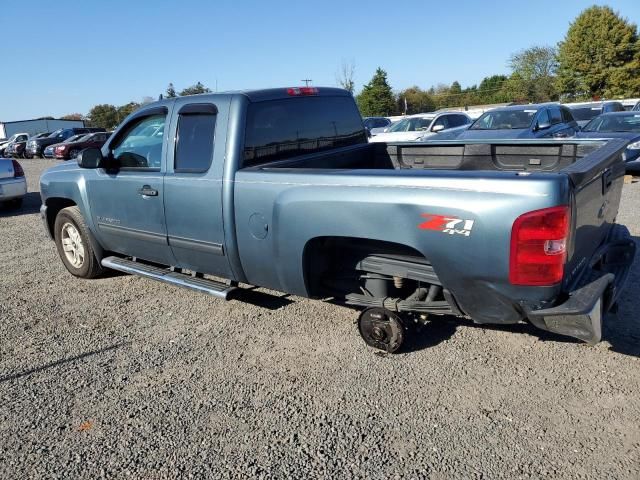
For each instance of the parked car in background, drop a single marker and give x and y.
(50, 151)
(523, 121)
(636, 107)
(375, 122)
(18, 149)
(377, 130)
(585, 112)
(422, 126)
(36, 146)
(16, 137)
(13, 185)
(70, 149)
(618, 125)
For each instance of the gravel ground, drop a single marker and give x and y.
(126, 378)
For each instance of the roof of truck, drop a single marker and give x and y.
(265, 94)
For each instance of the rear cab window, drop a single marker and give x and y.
(290, 127)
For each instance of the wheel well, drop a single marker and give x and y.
(54, 205)
(335, 258)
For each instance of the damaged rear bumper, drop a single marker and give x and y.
(580, 315)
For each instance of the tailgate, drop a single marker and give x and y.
(597, 181)
(6, 168)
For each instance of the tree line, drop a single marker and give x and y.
(599, 58)
(109, 116)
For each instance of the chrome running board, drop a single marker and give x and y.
(202, 285)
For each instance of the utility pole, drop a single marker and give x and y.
(306, 81)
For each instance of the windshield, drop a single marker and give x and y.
(585, 113)
(85, 137)
(55, 134)
(614, 123)
(504, 119)
(411, 125)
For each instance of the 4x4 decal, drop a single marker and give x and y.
(446, 224)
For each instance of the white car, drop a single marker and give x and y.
(421, 126)
(13, 185)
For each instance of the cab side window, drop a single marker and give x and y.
(442, 120)
(141, 144)
(194, 142)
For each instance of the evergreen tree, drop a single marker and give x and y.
(376, 98)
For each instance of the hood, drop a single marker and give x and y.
(631, 136)
(45, 141)
(397, 137)
(501, 134)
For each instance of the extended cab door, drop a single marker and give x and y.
(193, 185)
(127, 201)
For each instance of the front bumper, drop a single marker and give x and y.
(580, 315)
(34, 149)
(13, 188)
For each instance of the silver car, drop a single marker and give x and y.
(13, 184)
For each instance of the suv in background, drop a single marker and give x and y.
(585, 112)
(36, 146)
(542, 120)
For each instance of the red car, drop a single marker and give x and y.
(69, 150)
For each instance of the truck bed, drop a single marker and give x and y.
(518, 156)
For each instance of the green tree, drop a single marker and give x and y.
(125, 110)
(417, 101)
(104, 115)
(536, 69)
(599, 56)
(376, 98)
(171, 92)
(72, 116)
(195, 90)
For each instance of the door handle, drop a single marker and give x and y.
(147, 191)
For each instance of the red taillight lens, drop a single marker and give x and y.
(539, 247)
(17, 169)
(296, 91)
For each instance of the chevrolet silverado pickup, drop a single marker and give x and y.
(280, 188)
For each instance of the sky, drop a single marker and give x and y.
(65, 56)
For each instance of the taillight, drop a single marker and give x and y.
(296, 91)
(539, 247)
(17, 169)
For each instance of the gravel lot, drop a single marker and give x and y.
(126, 378)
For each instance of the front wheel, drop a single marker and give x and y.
(72, 241)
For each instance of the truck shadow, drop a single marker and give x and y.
(62, 361)
(621, 329)
(30, 204)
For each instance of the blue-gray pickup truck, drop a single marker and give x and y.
(280, 188)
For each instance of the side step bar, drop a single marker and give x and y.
(202, 285)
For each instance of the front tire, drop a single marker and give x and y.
(74, 247)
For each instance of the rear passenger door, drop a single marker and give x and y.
(193, 186)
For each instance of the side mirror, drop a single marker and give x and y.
(90, 158)
(543, 126)
(437, 128)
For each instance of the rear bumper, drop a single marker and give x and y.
(580, 315)
(13, 188)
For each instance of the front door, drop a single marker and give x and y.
(193, 187)
(127, 201)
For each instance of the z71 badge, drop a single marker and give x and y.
(446, 224)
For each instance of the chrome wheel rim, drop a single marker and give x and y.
(72, 245)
